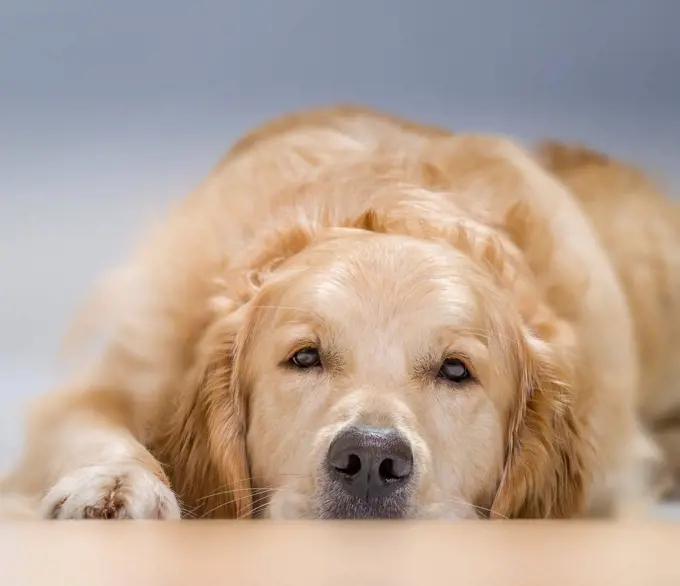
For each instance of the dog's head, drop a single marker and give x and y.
(385, 369)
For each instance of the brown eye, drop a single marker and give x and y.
(306, 358)
(454, 370)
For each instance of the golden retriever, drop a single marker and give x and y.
(358, 316)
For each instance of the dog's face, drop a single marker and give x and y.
(380, 374)
(376, 384)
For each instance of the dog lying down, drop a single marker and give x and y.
(357, 316)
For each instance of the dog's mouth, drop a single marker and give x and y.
(335, 502)
(332, 502)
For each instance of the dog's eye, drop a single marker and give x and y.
(454, 370)
(306, 358)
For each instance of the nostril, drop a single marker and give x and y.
(386, 470)
(352, 467)
(394, 469)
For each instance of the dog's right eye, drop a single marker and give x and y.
(306, 358)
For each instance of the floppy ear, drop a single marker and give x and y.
(546, 466)
(204, 438)
(203, 442)
(547, 460)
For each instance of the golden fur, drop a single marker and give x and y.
(391, 245)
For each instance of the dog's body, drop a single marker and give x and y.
(578, 254)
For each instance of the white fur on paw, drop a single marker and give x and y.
(110, 491)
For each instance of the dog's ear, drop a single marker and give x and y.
(547, 458)
(239, 282)
(205, 437)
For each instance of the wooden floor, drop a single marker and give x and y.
(339, 554)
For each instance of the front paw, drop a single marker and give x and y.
(110, 491)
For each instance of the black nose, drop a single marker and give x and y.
(370, 462)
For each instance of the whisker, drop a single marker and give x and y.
(225, 489)
(185, 512)
(229, 491)
(238, 499)
(234, 501)
(254, 511)
(223, 504)
(463, 502)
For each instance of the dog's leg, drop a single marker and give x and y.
(635, 486)
(84, 460)
(668, 439)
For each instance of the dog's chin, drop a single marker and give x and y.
(333, 504)
(356, 509)
(296, 506)
(336, 503)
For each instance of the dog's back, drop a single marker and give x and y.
(639, 226)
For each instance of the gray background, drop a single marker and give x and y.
(108, 110)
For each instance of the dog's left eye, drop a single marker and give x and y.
(306, 358)
(454, 370)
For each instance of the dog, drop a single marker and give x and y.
(357, 316)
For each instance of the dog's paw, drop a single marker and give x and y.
(110, 491)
